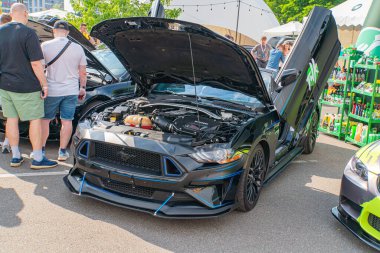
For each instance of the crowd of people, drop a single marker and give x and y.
(36, 81)
(271, 58)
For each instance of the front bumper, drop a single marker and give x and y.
(198, 191)
(359, 207)
(163, 209)
(355, 228)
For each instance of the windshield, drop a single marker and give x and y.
(109, 59)
(205, 90)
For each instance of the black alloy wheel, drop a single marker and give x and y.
(312, 134)
(252, 180)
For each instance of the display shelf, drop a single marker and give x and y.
(366, 99)
(353, 141)
(326, 131)
(343, 71)
(367, 66)
(327, 103)
(363, 119)
(341, 82)
(338, 81)
(365, 93)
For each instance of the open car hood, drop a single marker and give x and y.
(75, 34)
(158, 50)
(45, 33)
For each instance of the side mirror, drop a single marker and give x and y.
(288, 76)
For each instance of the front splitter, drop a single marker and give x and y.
(355, 228)
(166, 211)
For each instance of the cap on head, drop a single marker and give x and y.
(60, 24)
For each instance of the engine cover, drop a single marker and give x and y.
(191, 125)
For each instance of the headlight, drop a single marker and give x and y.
(220, 156)
(359, 168)
(81, 128)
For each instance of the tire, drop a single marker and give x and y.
(252, 180)
(91, 105)
(312, 134)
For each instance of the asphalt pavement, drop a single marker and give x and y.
(38, 214)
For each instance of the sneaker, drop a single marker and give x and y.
(5, 149)
(44, 164)
(16, 162)
(31, 156)
(63, 155)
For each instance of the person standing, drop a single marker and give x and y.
(275, 56)
(5, 18)
(23, 85)
(5, 148)
(287, 48)
(63, 74)
(261, 52)
(83, 30)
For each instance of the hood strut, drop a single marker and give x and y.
(195, 83)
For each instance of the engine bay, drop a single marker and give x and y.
(181, 123)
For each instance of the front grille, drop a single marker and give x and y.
(128, 159)
(374, 221)
(127, 189)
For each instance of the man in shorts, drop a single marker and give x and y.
(5, 148)
(63, 75)
(23, 85)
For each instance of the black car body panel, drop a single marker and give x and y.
(166, 169)
(131, 40)
(316, 49)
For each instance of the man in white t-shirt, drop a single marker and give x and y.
(66, 77)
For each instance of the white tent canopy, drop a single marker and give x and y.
(49, 13)
(291, 28)
(352, 12)
(255, 15)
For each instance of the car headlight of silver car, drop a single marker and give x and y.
(221, 156)
(359, 168)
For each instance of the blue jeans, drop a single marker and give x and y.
(65, 105)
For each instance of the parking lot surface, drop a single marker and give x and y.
(38, 214)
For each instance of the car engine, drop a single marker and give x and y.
(193, 125)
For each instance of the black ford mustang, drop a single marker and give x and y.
(107, 78)
(202, 134)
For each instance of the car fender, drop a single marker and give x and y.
(263, 130)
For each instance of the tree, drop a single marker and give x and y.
(92, 12)
(289, 10)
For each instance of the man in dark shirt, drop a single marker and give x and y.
(23, 85)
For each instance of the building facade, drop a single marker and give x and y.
(33, 5)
